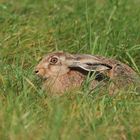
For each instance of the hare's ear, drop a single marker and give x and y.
(92, 66)
(87, 62)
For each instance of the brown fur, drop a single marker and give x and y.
(69, 73)
(66, 82)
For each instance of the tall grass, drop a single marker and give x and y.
(31, 28)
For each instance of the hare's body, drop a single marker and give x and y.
(63, 72)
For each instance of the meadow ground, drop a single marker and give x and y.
(31, 28)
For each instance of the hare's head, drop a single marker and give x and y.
(52, 65)
(59, 63)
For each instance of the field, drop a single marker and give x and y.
(31, 28)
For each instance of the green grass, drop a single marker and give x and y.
(31, 28)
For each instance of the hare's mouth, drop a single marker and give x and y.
(43, 78)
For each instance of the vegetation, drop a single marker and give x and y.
(31, 28)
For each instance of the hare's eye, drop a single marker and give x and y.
(53, 60)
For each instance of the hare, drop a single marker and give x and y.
(63, 72)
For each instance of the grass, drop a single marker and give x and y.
(31, 28)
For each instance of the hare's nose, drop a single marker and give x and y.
(36, 71)
(39, 71)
